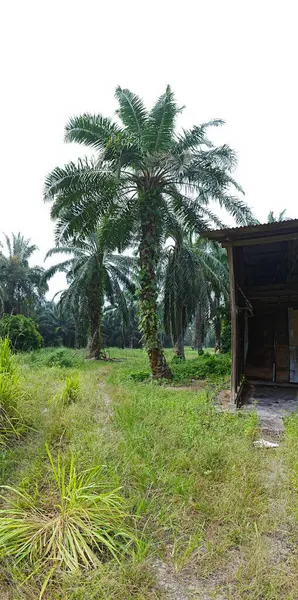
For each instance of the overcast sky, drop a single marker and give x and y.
(229, 59)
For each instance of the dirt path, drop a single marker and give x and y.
(106, 400)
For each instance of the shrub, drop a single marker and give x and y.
(140, 375)
(76, 528)
(204, 367)
(56, 357)
(22, 332)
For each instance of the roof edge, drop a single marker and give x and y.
(251, 231)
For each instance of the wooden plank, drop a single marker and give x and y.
(282, 362)
(293, 326)
(260, 240)
(293, 337)
(233, 325)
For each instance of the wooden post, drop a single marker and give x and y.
(233, 324)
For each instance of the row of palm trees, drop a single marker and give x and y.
(139, 205)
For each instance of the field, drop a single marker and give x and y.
(208, 515)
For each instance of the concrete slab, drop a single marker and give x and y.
(271, 403)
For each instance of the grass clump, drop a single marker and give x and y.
(71, 391)
(75, 526)
(11, 422)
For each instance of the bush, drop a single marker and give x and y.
(207, 366)
(21, 331)
(140, 376)
(56, 357)
(74, 527)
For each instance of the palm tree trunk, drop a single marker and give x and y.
(179, 343)
(198, 337)
(148, 293)
(179, 347)
(217, 325)
(217, 329)
(95, 348)
(95, 317)
(76, 335)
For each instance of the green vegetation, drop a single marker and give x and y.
(194, 497)
(69, 530)
(54, 357)
(121, 479)
(207, 366)
(93, 274)
(21, 331)
(11, 422)
(71, 391)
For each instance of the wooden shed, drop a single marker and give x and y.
(263, 263)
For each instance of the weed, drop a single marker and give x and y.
(206, 366)
(206, 501)
(55, 357)
(6, 359)
(11, 422)
(75, 528)
(70, 392)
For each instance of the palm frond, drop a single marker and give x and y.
(196, 136)
(62, 267)
(159, 130)
(131, 112)
(91, 130)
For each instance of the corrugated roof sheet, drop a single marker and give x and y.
(255, 230)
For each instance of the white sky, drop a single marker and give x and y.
(223, 58)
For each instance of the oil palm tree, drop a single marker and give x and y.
(192, 272)
(22, 286)
(93, 274)
(219, 297)
(57, 324)
(272, 218)
(144, 173)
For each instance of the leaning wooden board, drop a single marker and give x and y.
(293, 338)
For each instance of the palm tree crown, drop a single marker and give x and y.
(21, 285)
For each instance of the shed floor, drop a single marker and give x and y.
(271, 403)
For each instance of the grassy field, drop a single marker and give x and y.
(209, 516)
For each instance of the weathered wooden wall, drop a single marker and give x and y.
(266, 277)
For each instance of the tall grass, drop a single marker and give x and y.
(11, 422)
(76, 526)
(210, 507)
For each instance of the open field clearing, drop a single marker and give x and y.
(198, 513)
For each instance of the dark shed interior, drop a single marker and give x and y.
(263, 261)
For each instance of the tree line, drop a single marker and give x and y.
(128, 225)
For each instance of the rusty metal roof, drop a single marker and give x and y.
(252, 231)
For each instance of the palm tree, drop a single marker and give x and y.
(219, 297)
(272, 218)
(144, 174)
(57, 324)
(22, 286)
(193, 272)
(93, 273)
